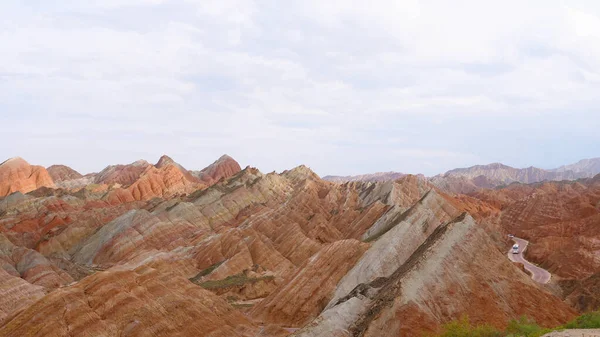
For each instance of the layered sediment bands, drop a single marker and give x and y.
(140, 302)
(397, 239)
(455, 271)
(159, 251)
(165, 182)
(129, 234)
(224, 167)
(306, 294)
(30, 265)
(561, 222)
(60, 173)
(16, 294)
(16, 175)
(123, 175)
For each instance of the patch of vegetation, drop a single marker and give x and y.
(586, 321)
(242, 305)
(232, 281)
(524, 327)
(464, 328)
(91, 187)
(205, 272)
(232, 298)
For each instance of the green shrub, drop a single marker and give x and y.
(586, 321)
(464, 328)
(525, 327)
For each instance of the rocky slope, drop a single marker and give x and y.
(158, 250)
(124, 175)
(455, 270)
(16, 175)
(61, 173)
(221, 168)
(560, 219)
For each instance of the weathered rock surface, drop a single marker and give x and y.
(123, 175)
(306, 294)
(139, 302)
(222, 168)
(16, 294)
(455, 271)
(30, 265)
(16, 175)
(61, 173)
(159, 250)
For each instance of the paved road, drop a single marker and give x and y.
(575, 333)
(537, 274)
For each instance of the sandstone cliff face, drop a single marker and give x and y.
(16, 175)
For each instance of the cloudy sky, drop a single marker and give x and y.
(345, 87)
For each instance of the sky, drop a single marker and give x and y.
(344, 87)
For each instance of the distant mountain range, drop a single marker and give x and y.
(379, 176)
(466, 180)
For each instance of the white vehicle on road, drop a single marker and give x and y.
(515, 248)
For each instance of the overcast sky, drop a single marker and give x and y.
(345, 87)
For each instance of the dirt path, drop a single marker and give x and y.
(537, 274)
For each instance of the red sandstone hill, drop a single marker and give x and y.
(233, 252)
(62, 173)
(221, 168)
(16, 175)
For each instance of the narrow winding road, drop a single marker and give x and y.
(537, 274)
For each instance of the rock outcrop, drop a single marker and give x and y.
(222, 168)
(124, 175)
(16, 175)
(61, 173)
(455, 271)
(159, 250)
(138, 302)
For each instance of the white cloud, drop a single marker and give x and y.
(287, 83)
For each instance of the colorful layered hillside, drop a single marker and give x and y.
(221, 168)
(158, 250)
(16, 175)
